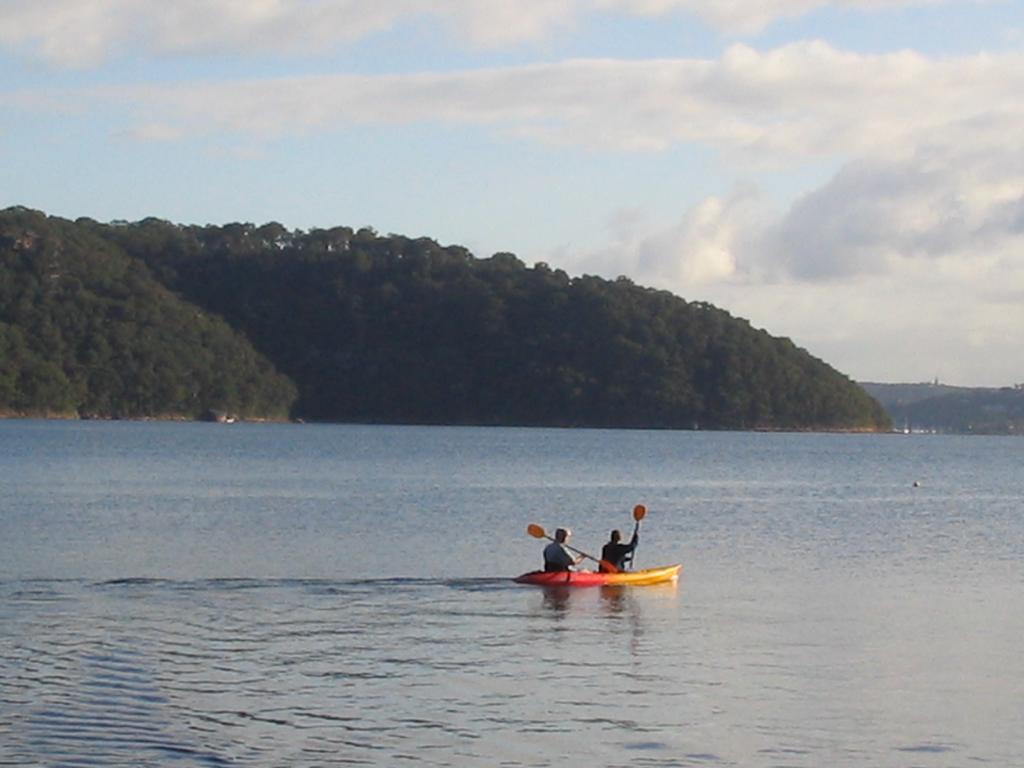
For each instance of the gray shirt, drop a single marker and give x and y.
(557, 557)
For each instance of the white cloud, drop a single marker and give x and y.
(748, 16)
(944, 215)
(962, 201)
(922, 255)
(933, 146)
(956, 314)
(704, 245)
(802, 100)
(700, 249)
(925, 217)
(82, 33)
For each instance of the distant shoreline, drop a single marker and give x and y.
(12, 416)
(5, 416)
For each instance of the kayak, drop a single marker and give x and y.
(594, 579)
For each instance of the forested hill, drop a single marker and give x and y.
(934, 407)
(399, 330)
(85, 330)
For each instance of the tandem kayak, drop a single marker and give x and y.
(594, 579)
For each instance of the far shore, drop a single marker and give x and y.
(228, 419)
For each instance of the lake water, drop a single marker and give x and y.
(286, 595)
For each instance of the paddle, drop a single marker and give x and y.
(639, 511)
(538, 533)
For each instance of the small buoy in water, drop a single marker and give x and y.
(917, 484)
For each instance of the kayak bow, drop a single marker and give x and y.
(594, 579)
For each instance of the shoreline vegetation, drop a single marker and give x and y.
(298, 421)
(169, 417)
(154, 320)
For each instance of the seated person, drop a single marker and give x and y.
(556, 556)
(615, 552)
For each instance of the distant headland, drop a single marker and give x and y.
(931, 407)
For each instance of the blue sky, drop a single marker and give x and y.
(848, 173)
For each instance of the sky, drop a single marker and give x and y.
(846, 173)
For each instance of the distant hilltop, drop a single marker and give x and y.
(935, 407)
(157, 320)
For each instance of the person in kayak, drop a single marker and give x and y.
(615, 552)
(556, 556)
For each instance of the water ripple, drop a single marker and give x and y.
(213, 672)
(437, 672)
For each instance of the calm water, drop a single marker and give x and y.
(277, 595)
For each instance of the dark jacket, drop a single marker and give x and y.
(616, 553)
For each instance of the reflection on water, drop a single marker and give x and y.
(556, 599)
(614, 601)
(614, 598)
(617, 599)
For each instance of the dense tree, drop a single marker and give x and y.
(392, 329)
(152, 318)
(86, 330)
(942, 408)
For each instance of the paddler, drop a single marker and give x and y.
(556, 556)
(615, 551)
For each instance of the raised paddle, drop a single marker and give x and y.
(639, 511)
(538, 533)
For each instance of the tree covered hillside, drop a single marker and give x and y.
(935, 407)
(392, 329)
(86, 330)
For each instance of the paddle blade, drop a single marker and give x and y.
(536, 531)
(638, 512)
